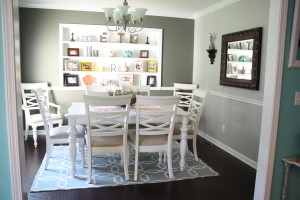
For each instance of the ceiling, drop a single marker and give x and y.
(189, 9)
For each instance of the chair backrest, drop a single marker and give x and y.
(155, 115)
(97, 90)
(185, 91)
(28, 97)
(196, 107)
(107, 116)
(136, 89)
(42, 102)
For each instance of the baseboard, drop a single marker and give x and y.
(229, 150)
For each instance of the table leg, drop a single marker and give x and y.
(287, 169)
(183, 141)
(72, 144)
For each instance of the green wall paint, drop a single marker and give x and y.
(288, 138)
(5, 182)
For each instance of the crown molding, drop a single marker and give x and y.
(214, 8)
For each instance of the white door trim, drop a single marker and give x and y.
(7, 11)
(271, 104)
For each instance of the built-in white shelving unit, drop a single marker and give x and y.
(106, 68)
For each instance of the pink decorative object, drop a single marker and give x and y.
(88, 79)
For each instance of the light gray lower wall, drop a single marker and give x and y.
(242, 120)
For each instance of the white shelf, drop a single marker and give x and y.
(103, 49)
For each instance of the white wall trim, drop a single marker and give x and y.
(271, 104)
(236, 98)
(229, 150)
(214, 8)
(10, 94)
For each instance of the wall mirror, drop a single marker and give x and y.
(240, 59)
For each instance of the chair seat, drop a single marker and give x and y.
(148, 140)
(107, 141)
(38, 117)
(60, 132)
(177, 130)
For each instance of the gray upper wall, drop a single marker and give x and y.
(39, 43)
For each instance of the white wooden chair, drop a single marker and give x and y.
(154, 127)
(98, 90)
(107, 127)
(56, 135)
(185, 91)
(136, 89)
(195, 108)
(31, 109)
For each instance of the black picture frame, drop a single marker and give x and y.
(151, 81)
(71, 80)
(144, 53)
(134, 38)
(252, 83)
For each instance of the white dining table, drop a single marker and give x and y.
(76, 115)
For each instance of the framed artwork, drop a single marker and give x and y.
(230, 57)
(144, 53)
(234, 69)
(73, 51)
(151, 81)
(71, 65)
(294, 60)
(86, 66)
(138, 66)
(86, 38)
(152, 66)
(134, 38)
(71, 80)
(126, 79)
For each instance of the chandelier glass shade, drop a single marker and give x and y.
(121, 20)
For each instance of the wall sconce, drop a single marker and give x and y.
(211, 50)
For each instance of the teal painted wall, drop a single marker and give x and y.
(288, 139)
(5, 182)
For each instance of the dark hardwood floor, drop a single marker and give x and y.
(236, 180)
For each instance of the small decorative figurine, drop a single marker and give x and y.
(127, 54)
(147, 42)
(72, 38)
(112, 53)
(121, 37)
(211, 50)
(113, 38)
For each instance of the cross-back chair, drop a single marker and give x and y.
(195, 108)
(107, 127)
(56, 135)
(31, 109)
(154, 127)
(185, 91)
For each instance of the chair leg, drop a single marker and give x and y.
(160, 157)
(82, 151)
(169, 152)
(165, 157)
(34, 132)
(125, 160)
(48, 154)
(89, 167)
(26, 132)
(195, 147)
(136, 163)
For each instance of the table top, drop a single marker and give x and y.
(77, 109)
(292, 160)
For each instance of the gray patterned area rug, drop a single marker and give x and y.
(109, 171)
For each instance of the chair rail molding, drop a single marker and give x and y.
(7, 10)
(236, 98)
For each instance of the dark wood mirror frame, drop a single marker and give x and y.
(253, 83)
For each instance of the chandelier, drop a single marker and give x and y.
(124, 20)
